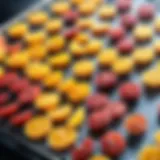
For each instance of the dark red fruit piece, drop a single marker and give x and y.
(71, 16)
(130, 91)
(20, 118)
(8, 79)
(146, 11)
(8, 110)
(97, 101)
(126, 45)
(116, 33)
(19, 86)
(4, 97)
(113, 143)
(84, 151)
(128, 21)
(99, 120)
(106, 80)
(118, 109)
(29, 94)
(71, 33)
(124, 5)
(14, 48)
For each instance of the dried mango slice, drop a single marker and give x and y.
(60, 8)
(37, 52)
(35, 38)
(37, 128)
(55, 43)
(107, 12)
(60, 60)
(143, 33)
(77, 118)
(62, 138)
(83, 68)
(77, 49)
(93, 47)
(107, 57)
(99, 157)
(37, 18)
(123, 66)
(37, 70)
(61, 114)
(54, 25)
(79, 92)
(18, 30)
(67, 86)
(151, 78)
(149, 152)
(47, 101)
(53, 79)
(143, 55)
(157, 137)
(18, 60)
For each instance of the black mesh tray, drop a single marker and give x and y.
(147, 105)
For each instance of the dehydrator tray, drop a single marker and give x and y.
(147, 105)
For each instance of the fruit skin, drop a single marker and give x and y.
(96, 101)
(128, 21)
(106, 80)
(116, 33)
(118, 109)
(9, 110)
(130, 91)
(113, 143)
(136, 124)
(83, 151)
(146, 11)
(21, 118)
(99, 120)
(126, 45)
(124, 5)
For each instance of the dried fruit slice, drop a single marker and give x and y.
(77, 118)
(21, 118)
(83, 151)
(62, 138)
(113, 143)
(60, 114)
(47, 101)
(37, 128)
(8, 110)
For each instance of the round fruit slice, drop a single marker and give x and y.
(62, 138)
(37, 127)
